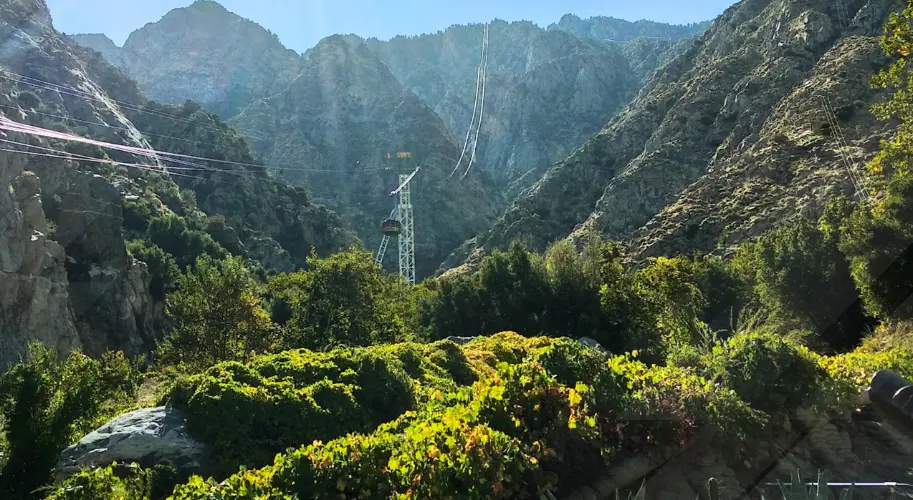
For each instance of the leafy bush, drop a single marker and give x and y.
(804, 280)
(48, 402)
(566, 293)
(668, 404)
(217, 316)
(504, 438)
(341, 300)
(137, 216)
(163, 269)
(767, 372)
(105, 483)
(295, 397)
(173, 235)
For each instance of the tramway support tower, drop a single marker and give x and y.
(407, 236)
(401, 224)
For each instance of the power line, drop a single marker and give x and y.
(843, 145)
(66, 90)
(8, 124)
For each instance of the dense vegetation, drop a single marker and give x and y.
(339, 380)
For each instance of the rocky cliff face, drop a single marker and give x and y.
(70, 283)
(33, 280)
(548, 90)
(331, 130)
(730, 131)
(101, 44)
(209, 55)
(611, 29)
(66, 277)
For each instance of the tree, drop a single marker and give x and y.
(878, 238)
(217, 315)
(674, 289)
(801, 277)
(47, 403)
(514, 290)
(344, 299)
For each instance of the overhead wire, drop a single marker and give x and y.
(475, 142)
(8, 124)
(164, 115)
(68, 90)
(475, 105)
(855, 178)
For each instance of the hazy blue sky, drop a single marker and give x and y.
(301, 23)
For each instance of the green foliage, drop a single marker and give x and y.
(163, 269)
(503, 438)
(669, 404)
(343, 299)
(137, 216)
(767, 372)
(217, 316)
(566, 293)
(675, 289)
(173, 235)
(48, 402)
(801, 277)
(107, 484)
(877, 238)
(278, 401)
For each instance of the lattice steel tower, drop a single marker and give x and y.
(407, 236)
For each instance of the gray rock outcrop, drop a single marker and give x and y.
(725, 140)
(148, 437)
(34, 298)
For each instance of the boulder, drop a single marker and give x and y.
(461, 340)
(592, 344)
(148, 437)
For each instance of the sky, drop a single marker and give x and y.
(300, 24)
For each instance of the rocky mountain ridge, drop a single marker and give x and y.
(727, 139)
(66, 275)
(547, 92)
(203, 53)
(331, 130)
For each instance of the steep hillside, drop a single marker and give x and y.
(619, 30)
(207, 54)
(548, 90)
(331, 130)
(725, 114)
(67, 277)
(101, 44)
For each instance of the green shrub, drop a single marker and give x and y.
(217, 316)
(163, 269)
(669, 404)
(767, 372)
(137, 216)
(47, 403)
(341, 300)
(127, 483)
(279, 401)
(173, 235)
(802, 278)
(505, 438)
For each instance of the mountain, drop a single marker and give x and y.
(611, 29)
(330, 130)
(725, 140)
(547, 91)
(70, 276)
(100, 43)
(209, 55)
